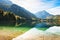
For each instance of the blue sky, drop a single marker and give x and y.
(56, 2)
(37, 5)
(6, 2)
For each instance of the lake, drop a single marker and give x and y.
(13, 29)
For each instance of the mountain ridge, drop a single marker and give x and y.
(42, 14)
(18, 10)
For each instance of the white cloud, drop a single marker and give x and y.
(54, 11)
(34, 5)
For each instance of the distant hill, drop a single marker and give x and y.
(17, 10)
(42, 14)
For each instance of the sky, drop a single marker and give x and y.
(54, 11)
(37, 5)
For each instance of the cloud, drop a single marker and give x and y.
(54, 11)
(34, 5)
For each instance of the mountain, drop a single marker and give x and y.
(21, 11)
(18, 10)
(42, 14)
(6, 2)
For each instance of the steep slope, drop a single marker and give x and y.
(17, 10)
(21, 11)
(5, 2)
(42, 14)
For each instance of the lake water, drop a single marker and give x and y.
(27, 25)
(14, 29)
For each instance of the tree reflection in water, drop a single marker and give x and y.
(29, 24)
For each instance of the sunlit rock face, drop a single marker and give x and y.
(35, 34)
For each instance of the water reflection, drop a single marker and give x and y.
(7, 23)
(27, 24)
(53, 23)
(30, 24)
(42, 25)
(18, 24)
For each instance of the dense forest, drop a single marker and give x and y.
(8, 17)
